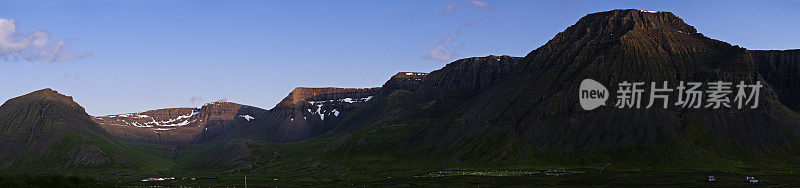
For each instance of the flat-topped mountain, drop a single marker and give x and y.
(308, 112)
(181, 125)
(300, 94)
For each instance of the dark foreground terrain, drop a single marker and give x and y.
(456, 178)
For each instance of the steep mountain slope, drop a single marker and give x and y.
(308, 112)
(532, 115)
(537, 107)
(181, 125)
(431, 95)
(781, 68)
(47, 132)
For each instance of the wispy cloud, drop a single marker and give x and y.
(448, 8)
(479, 4)
(196, 99)
(222, 100)
(33, 47)
(465, 25)
(444, 50)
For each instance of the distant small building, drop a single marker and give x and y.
(712, 179)
(751, 179)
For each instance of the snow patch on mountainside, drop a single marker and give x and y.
(147, 121)
(347, 100)
(247, 117)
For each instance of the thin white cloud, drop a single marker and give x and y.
(442, 51)
(195, 99)
(32, 47)
(465, 25)
(479, 4)
(449, 8)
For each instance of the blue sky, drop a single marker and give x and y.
(130, 56)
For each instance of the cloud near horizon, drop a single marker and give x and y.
(32, 47)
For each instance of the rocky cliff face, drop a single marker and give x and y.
(308, 112)
(464, 78)
(315, 94)
(409, 81)
(181, 125)
(781, 68)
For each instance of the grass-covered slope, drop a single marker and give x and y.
(45, 132)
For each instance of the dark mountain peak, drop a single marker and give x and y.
(628, 45)
(47, 95)
(649, 29)
(44, 112)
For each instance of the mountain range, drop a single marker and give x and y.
(479, 112)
